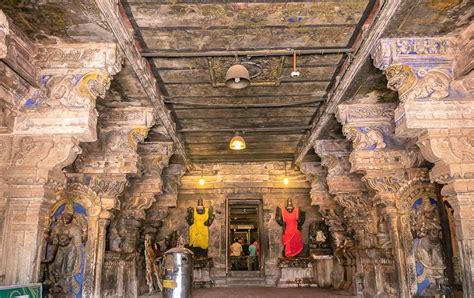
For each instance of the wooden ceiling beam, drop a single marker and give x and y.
(249, 53)
(248, 129)
(118, 22)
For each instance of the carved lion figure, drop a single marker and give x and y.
(432, 84)
(362, 140)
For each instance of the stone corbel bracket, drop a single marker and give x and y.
(142, 193)
(370, 128)
(172, 179)
(335, 157)
(316, 175)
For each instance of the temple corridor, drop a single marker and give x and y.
(236, 148)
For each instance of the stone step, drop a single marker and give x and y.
(248, 282)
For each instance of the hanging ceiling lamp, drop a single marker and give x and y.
(285, 179)
(237, 142)
(237, 76)
(201, 180)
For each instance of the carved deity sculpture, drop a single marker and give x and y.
(426, 229)
(199, 220)
(319, 238)
(65, 252)
(291, 219)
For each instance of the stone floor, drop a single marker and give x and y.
(254, 292)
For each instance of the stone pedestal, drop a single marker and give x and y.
(322, 270)
(119, 275)
(296, 273)
(202, 276)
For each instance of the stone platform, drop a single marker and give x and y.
(305, 272)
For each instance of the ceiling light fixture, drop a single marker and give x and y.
(295, 73)
(286, 180)
(201, 180)
(237, 142)
(237, 76)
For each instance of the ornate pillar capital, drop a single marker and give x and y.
(422, 71)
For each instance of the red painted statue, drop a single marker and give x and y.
(291, 219)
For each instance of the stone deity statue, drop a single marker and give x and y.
(426, 229)
(199, 220)
(319, 238)
(291, 219)
(66, 239)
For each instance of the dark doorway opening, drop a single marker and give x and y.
(244, 236)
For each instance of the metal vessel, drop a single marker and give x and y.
(177, 273)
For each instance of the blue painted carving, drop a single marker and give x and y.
(426, 229)
(65, 251)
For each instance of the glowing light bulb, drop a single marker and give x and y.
(238, 145)
(202, 181)
(237, 79)
(286, 181)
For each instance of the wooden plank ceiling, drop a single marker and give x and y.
(270, 117)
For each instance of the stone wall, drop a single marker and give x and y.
(244, 181)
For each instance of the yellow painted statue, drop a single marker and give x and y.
(199, 220)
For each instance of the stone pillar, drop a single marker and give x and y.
(386, 165)
(350, 194)
(104, 167)
(435, 83)
(138, 197)
(48, 108)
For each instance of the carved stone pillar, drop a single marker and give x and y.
(387, 166)
(139, 196)
(105, 165)
(48, 98)
(435, 83)
(350, 194)
(155, 157)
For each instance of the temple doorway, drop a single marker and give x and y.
(244, 222)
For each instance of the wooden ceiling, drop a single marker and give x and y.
(191, 44)
(277, 111)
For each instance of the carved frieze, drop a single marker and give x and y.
(412, 50)
(106, 186)
(61, 58)
(363, 113)
(130, 116)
